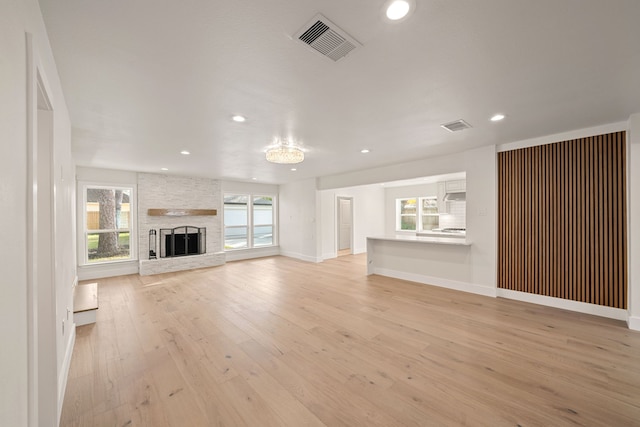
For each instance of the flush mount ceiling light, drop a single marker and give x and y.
(185, 152)
(238, 119)
(365, 151)
(284, 152)
(497, 117)
(164, 169)
(396, 10)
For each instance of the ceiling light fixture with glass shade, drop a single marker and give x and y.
(284, 151)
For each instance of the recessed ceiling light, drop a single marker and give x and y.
(497, 117)
(365, 151)
(293, 169)
(164, 169)
(255, 179)
(398, 9)
(238, 119)
(185, 152)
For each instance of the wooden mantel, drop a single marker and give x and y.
(181, 212)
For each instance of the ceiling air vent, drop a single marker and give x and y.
(326, 38)
(456, 125)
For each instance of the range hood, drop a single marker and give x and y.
(455, 197)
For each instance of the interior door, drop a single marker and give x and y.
(344, 224)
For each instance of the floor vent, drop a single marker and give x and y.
(324, 37)
(456, 126)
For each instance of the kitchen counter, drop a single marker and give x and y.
(436, 238)
(433, 260)
(430, 233)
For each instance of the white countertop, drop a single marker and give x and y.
(422, 239)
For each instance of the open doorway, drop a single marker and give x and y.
(345, 225)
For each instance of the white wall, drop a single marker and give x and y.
(480, 167)
(298, 219)
(16, 18)
(248, 188)
(368, 217)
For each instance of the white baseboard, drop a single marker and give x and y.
(634, 323)
(98, 271)
(241, 254)
(300, 256)
(437, 281)
(329, 255)
(580, 307)
(64, 372)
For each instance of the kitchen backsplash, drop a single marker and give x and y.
(457, 216)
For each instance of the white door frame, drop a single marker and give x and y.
(337, 231)
(43, 399)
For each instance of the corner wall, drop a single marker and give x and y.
(298, 219)
(18, 17)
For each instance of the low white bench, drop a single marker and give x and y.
(85, 304)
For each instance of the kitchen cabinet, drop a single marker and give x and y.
(459, 186)
(442, 191)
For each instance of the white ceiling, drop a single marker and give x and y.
(146, 79)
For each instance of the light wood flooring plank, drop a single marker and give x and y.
(281, 342)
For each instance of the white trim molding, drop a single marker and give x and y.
(437, 281)
(64, 373)
(300, 256)
(240, 254)
(580, 307)
(565, 136)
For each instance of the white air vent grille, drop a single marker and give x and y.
(326, 38)
(456, 126)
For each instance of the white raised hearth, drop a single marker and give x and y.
(167, 265)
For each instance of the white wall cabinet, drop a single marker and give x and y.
(458, 186)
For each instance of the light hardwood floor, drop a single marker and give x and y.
(281, 342)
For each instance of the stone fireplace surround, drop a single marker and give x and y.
(157, 191)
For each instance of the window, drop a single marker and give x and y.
(248, 221)
(108, 224)
(408, 211)
(429, 213)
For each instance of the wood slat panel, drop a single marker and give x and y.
(562, 220)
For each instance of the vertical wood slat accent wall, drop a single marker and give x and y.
(562, 220)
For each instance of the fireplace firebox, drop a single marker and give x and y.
(182, 241)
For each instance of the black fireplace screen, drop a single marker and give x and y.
(182, 241)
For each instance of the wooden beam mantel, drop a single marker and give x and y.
(181, 212)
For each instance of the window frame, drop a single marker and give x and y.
(250, 221)
(400, 215)
(83, 247)
(418, 215)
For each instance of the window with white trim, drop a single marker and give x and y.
(108, 224)
(417, 214)
(249, 221)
